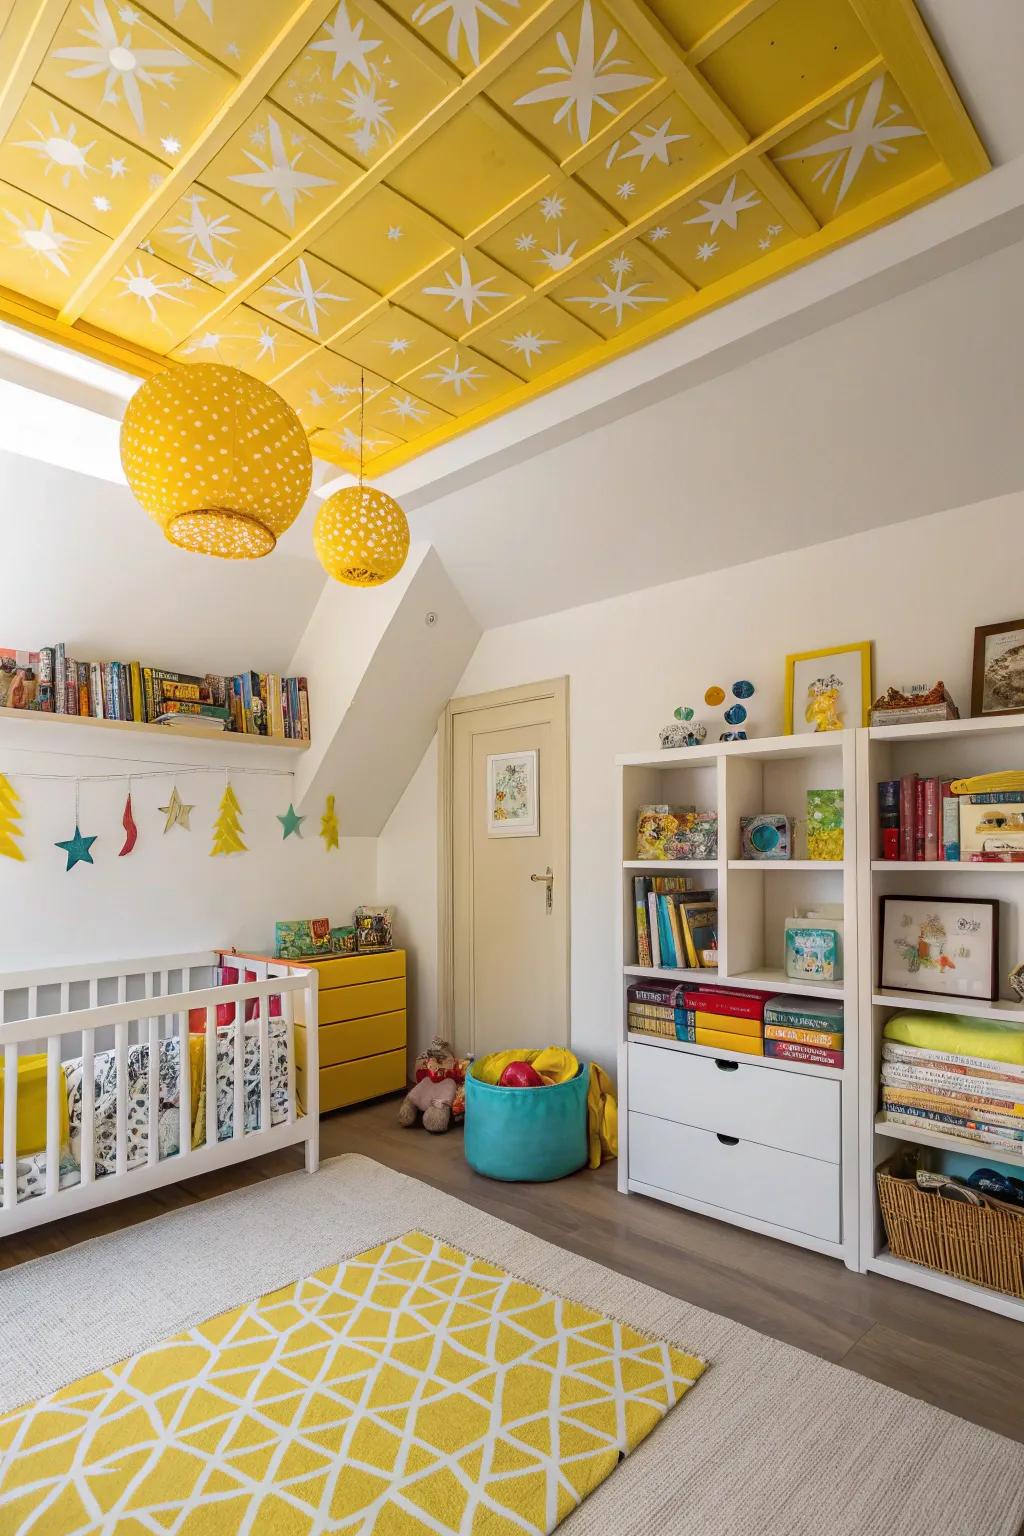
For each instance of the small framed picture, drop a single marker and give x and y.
(828, 690)
(512, 805)
(950, 948)
(997, 682)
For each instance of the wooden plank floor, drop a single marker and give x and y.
(957, 1357)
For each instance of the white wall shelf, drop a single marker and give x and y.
(45, 731)
(945, 749)
(740, 779)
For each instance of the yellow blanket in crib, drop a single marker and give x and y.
(31, 1113)
(411, 1389)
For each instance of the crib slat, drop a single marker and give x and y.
(288, 1009)
(121, 1058)
(263, 1004)
(10, 1126)
(53, 1091)
(88, 1151)
(211, 1075)
(238, 1116)
(154, 1092)
(184, 1087)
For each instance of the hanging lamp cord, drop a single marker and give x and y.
(362, 409)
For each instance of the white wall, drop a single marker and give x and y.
(916, 588)
(407, 877)
(168, 895)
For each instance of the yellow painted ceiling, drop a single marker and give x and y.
(467, 200)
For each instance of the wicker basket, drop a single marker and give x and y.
(969, 1242)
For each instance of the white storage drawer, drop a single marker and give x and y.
(801, 1193)
(788, 1110)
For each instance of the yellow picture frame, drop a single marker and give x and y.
(863, 647)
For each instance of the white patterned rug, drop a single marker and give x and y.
(773, 1442)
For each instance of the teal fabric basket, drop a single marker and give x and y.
(526, 1135)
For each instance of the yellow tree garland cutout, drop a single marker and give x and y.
(227, 829)
(10, 820)
(329, 825)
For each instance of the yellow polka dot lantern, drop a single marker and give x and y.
(361, 536)
(217, 459)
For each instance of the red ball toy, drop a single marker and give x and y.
(519, 1074)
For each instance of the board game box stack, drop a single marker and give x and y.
(805, 1030)
(253, 703)
(724, 1019)
(977, 820)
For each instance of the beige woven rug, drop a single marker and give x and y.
(772, 1441)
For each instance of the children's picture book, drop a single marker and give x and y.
(19, 678)
(700, 932)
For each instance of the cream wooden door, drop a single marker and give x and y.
(509, 910)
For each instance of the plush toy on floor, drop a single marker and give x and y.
(438, 1094)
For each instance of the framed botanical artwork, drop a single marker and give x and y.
(828, 690)
(950, 948)
(997, 682)
(512, 806)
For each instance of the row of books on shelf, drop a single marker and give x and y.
(253, 703)
(676, 925)
(972, 821)
(749, 1022)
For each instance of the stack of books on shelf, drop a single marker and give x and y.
(254, 703)
(676, 925)
(956, 1076)
(805, 1030)
(977, 820)
(722, 1018)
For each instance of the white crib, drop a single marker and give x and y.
(79, 1011)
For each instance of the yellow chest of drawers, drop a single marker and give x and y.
(361, 1028)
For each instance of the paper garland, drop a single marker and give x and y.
(10, 821)
(77, 849)
(329, 825)
(291, 822)
(227, 829)
(177, 812)
(131, 831)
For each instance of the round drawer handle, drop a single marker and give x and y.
(727, 1066)
(728, 1141)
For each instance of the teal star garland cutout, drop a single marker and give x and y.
(77, 849)
(291, 822)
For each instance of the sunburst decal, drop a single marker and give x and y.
(124, 67)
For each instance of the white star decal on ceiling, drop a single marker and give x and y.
(171, 146)
(279, 175)
(209, 341)
(302, 296)
(352, 443)
(463, 290)
(366, 108)
(266, 344)
(197, 232)
(659, 232)
(456, 374)
(530, 344)
(101, 204)
(123, 66)
(727, 211)
(626, 189)
(147, 289)
(116, 167)
(395, 232)
(406, 408)
(621, 263)
(465, 22)
(650, 143)
(206, 6)
(43, 239)
(587, 80)
(525, 242)
(618, 299)
(707, 250)
(397, 346)
(854, 138)
(220, 272)
(558, 259)
(552, 206)
(60, 150)
(346, 43)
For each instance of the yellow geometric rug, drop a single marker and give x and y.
(410, 1390)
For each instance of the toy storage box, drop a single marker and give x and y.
(526, 1135)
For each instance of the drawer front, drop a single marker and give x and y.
(352, 1081)
(356, 1038)
(349, 970)
(801, 1193)
(781, 1109)
(337, 1004)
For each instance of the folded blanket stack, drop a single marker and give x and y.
(958, 1076)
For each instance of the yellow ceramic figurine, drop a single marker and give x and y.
(823, 704)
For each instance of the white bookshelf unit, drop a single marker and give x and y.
(767, 1144)
(953, 749)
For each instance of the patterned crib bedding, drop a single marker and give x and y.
(31, 1169)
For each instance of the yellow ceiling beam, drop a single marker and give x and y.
(899, 34)
(30, 26)
(29, 316)
(729, 27)
(239, 104)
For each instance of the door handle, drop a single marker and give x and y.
(546, 879)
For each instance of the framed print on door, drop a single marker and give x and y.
(512, 804)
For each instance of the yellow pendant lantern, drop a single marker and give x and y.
(217, 459)
(361, 535)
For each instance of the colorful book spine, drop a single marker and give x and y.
(729, 1040)
(797, 1015)
(992, 1133)
(983, 1106)
(96, 689)
(931, 820)
(652, 918)
(826, 1040)
(84, 703)
(810, 1055)
(138, 712)
(949, 823)
(918, 854)
(643, 936)
(730, 1023)
(889, 817)
(954, 1061)
(672, 914)
(737, 1003)
(998, 797)
(669, 957)
(907, 799)
(303, 688)
(60, 679)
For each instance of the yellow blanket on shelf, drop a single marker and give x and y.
(556, 1064)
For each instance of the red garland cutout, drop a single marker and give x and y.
(131, 830)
